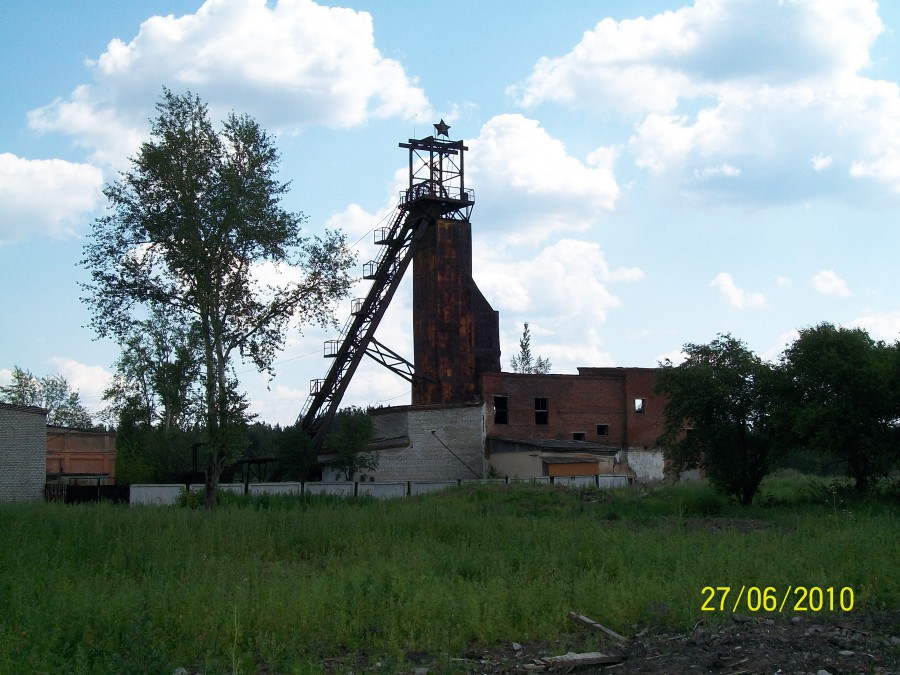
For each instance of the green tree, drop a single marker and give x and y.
(157, 380)
(843, 399)
(52, 392)
(524, 362)
(155, 400)
(349, 435)
(191, 227)
(718, 415)
(294, 449)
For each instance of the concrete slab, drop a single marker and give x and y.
(424, 487)
(576, 481)
(156, 494)
(341, 489)
(390, 490)
(612, 481)
(276, 488)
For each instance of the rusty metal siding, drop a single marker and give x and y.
(452, 322)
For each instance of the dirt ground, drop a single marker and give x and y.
(859, 644)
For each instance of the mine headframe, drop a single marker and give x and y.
(436, 191)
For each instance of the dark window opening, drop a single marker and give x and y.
(577, 435)
(501, 410)
(541, 411)
(603, 430)
(638, 405)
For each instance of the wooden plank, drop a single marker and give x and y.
(574, 660)
(590, 623)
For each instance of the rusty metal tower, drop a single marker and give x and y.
(456, 332)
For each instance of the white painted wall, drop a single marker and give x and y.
(648, 465)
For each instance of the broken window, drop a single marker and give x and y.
(638, 405)
(577, 435)
(501, 410)
(541, 411)
(603, 430)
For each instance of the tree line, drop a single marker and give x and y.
(53, 393)
(833, 395)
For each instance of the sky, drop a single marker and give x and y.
(647, 173)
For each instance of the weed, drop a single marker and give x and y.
(286, 584)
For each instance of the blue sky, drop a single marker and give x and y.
(647, 172)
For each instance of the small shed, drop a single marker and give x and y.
(23, 451)
(549, 457)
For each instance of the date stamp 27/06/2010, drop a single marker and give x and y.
(771, 599)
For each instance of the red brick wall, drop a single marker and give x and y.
(578, 403)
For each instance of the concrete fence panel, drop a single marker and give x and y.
(169, 493)
(576, 481)
(276, 488)
(545, 480)
(342, 489)
(383, 490)
(164, 495)
(612, 481)
(424, 487)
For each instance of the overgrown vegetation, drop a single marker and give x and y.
(831, 404)
(348, 437)
(277, 584)
(154, 454)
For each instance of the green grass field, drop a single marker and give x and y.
(282, 584)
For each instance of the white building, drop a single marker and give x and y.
(23, 452)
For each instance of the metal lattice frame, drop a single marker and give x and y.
(436, 190)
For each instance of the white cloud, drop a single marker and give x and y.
(564, 291)
(652, 64)
(784, 282)
(524, 177)
(739, 97)
(821, 162)
(827, 282)
(676, 357)
(880, 325)
(782, 342)
(290, 64)
(89, 381)
(618, 64)
(567, 280)
(46, 196)
(565, 355)
(737, 297)
(718, 170)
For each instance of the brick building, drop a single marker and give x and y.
(601, 421)
(436, 442)
(23, 448)
(76, 454)
(468, 418)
